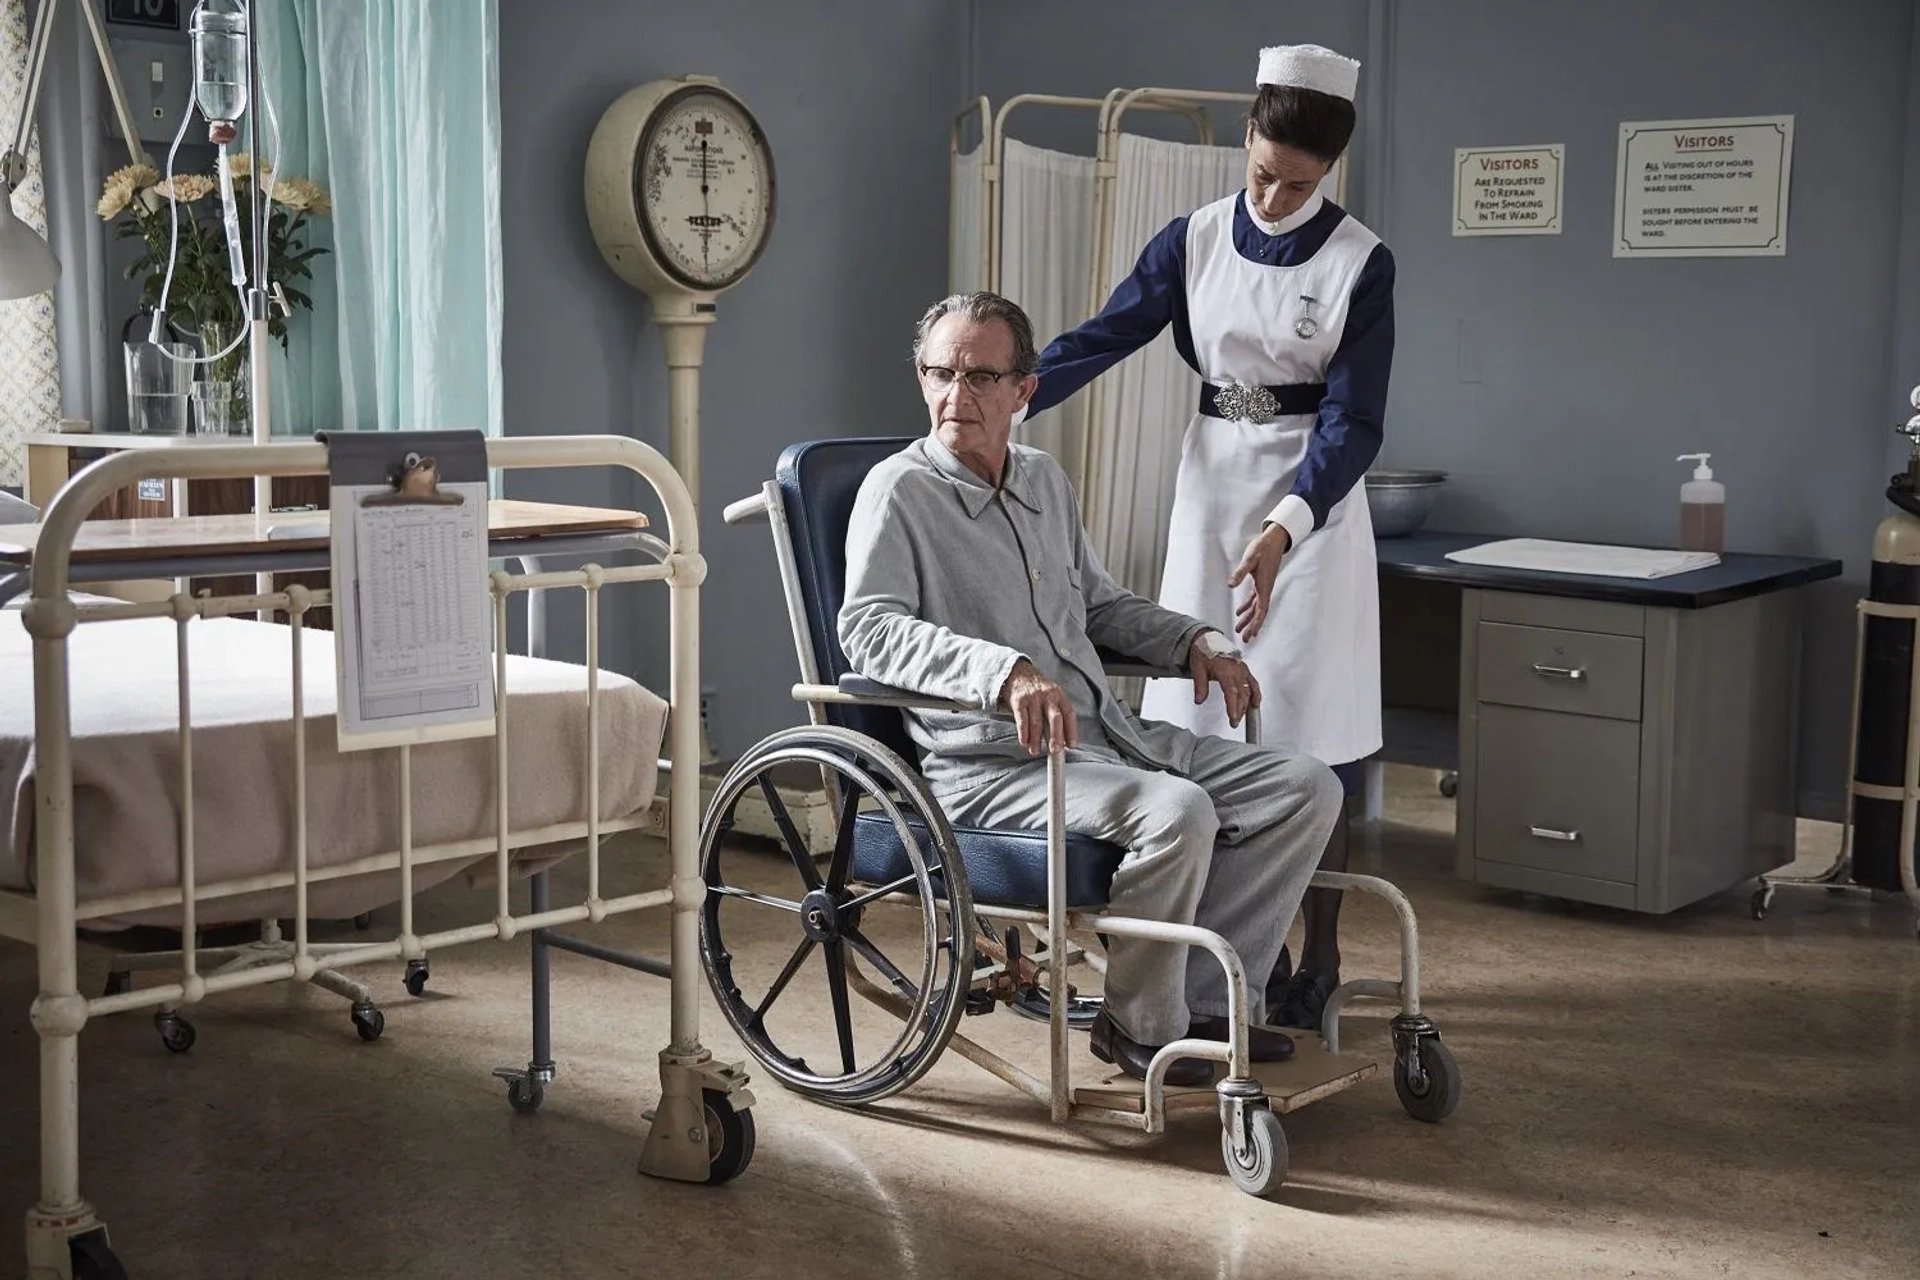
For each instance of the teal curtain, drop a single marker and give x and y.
(395, 110)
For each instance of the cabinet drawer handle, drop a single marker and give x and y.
(1561, 673)
(1548, 833)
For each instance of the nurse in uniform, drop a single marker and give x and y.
(1282, 302)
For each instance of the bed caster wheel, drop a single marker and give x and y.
(369, 1022)
(1450, 784)
(525, 1095)
(1761, 898)
(1434, 1094)
(91, 1257)
(119, 982)
(175, 1032)
(729, 1138)
(1261, 1165)
(417, 975)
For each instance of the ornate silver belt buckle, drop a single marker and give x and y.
(1240, 402)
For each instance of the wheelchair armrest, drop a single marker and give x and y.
(745, 509)
(864, 692)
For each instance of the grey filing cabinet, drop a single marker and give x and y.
(1622, 742)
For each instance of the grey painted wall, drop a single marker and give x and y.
(1593, 373)
(855, 98)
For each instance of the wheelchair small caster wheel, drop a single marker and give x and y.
(417, 975)
(525, 1095)
(92, 1259)
(1758, 906)
(119, 982)
(730, 1138)
(369, 1022)
(1262, 1165)
(1449, 784)
(363, 921)
(1433, 1097)
(175, 1032)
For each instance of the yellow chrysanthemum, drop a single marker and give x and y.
(303, 194)
(241, 163)
(184, 188)
(122, 185)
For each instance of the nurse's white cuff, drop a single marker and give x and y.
(1295, 516)
(1019, 415)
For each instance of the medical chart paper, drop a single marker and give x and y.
(413, 616)
(1545, 556)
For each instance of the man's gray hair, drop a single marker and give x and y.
(982, 308)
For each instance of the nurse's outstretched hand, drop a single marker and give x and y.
(1041, 709)
(1261, 564)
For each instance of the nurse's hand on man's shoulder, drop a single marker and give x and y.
(1261, 563)
(1041, 710)
(1236, 682)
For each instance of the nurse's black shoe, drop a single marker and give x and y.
(1110, 1044)
(1263, 1043)
(1280, 980)
(1304, 1000)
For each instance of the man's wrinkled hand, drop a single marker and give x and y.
(1041, 710)
(1236, 682)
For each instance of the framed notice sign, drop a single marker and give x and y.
(1507, 191)
(1703, 188)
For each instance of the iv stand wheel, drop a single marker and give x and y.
(1762, 899)
(730, 1138)
(92, 1259)
(1450, 783)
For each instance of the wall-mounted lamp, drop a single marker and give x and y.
(27, 264)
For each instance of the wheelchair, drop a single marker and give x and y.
(971, 892)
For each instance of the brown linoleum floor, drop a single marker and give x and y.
(1695, 1095)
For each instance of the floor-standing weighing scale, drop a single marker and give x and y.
(680, 197)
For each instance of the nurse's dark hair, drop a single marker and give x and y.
(983, 308)
(1305, 119)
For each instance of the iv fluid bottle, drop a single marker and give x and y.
(1703, 508)
(220, 63)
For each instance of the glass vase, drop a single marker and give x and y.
(229, 370)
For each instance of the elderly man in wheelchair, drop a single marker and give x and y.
(955, 635)
(969, 577)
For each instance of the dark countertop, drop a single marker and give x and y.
(1422, 554)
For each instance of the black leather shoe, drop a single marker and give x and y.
(1305, 1000)
(1110, 1044)
(1263, 1043)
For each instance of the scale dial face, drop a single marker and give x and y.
(703, 187)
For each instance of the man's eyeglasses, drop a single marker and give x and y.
(979, 381)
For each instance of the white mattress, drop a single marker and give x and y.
(126, 765)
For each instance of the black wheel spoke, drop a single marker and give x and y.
(790, 834)
(875, 957)
(748, 895)
(800, 955)
(885, 889)
(836, 953)
(843, 839)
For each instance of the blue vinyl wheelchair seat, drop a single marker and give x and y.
(818, 482)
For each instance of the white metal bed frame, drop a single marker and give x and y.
(703, 1102)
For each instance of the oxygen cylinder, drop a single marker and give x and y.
(1885, 697)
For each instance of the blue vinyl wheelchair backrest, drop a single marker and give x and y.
(819, 481)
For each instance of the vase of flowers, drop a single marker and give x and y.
(202, 300)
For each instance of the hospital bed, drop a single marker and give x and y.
(969, 894)
(181, 768)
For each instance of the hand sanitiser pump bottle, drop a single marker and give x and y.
(1703, 508)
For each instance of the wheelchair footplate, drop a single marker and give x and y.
(1310, 1075)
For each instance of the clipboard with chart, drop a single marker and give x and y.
(413, 614)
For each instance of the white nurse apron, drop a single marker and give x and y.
(1317, 657)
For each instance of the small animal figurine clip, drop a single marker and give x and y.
(418, 485)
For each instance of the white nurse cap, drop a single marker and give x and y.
(1309, 66)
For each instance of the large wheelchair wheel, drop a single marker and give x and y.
(829, 912)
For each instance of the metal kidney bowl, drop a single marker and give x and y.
(1399, 500)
